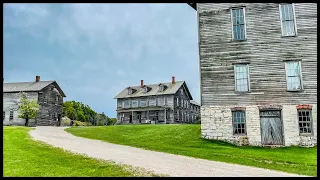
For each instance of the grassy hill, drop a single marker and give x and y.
(186, 140)
(23, 156)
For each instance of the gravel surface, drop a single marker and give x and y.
(158, 162)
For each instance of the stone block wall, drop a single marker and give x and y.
(216, 123)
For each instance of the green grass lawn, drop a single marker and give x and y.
(26, 157)
(186, 140)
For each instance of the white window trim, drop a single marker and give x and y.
(245, 24)
(235, 78)
(301, 82)
(294, 19)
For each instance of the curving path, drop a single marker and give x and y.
(158, 162)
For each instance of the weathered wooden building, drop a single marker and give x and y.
(258, 66)
(48, 95)
(163, 103)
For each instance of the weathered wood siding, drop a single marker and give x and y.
(264, 48)
(47, 110)
(10, 103)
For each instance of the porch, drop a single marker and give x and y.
(144, 116)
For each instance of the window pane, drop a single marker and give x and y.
(238, 24)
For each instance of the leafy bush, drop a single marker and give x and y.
(79, 123)
(65, 121)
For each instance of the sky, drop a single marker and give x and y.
(94, 51)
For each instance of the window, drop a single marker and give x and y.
(177, 101)
(238, 121)
(165, 101)
(242, 77)
(305, 120)
(127, 103)
(4, 115)
(293, 74)
(45, 100)
(238, 24)
(11, 115)
(129, 91)
(161, 88)
(145, 89)
(57, 100)
(181, 91)
(287, 18)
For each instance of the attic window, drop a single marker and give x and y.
(162, 87)
(129, 91)
(145, 89)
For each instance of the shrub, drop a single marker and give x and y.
(65, 121)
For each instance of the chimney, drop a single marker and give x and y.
(37, 78)
(173, 80)
(141, 83)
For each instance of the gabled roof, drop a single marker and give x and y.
(29, 86)
(171, 89)
(193, 5)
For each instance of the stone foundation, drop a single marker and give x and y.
(216, 123)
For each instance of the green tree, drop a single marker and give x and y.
(28, 109)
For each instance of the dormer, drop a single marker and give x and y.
(162, 87)
(131, 90)
(146, 89)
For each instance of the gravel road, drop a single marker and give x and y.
(158, 162)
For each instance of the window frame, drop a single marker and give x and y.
(235, 77)
(311, 122)
(300, 75)
(233, 123)
(294, 20)
(11, 115)
(244, 21)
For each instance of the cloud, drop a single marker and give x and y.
(96, 50)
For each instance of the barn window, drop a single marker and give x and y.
(239, 122)
(238, 24)
(4, 115)
(242, 77)
(287, 18)
(305, 121)
(11, 115)
(293, 75)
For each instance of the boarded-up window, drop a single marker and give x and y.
(305, 121)
(241, 77)
(238, 24)
(287, 20)
(239, 122)
(135, 103)
(11, 115)
(293, 75)
(127, 103)
(143, 102)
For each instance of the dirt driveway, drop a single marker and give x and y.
(158, 162)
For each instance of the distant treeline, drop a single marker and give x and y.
(82, 112)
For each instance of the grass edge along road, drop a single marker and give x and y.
(23, 156)
(186, 140)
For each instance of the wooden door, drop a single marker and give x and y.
(271, 128)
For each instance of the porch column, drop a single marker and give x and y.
(165, 116)
(131, 117)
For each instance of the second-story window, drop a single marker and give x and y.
(11, 115)
(241, 77)
(293, 75)
(57, 100)
(287, 20)
(238, 24)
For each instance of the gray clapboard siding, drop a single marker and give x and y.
(264, 48)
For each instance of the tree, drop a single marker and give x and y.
(27, 108)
